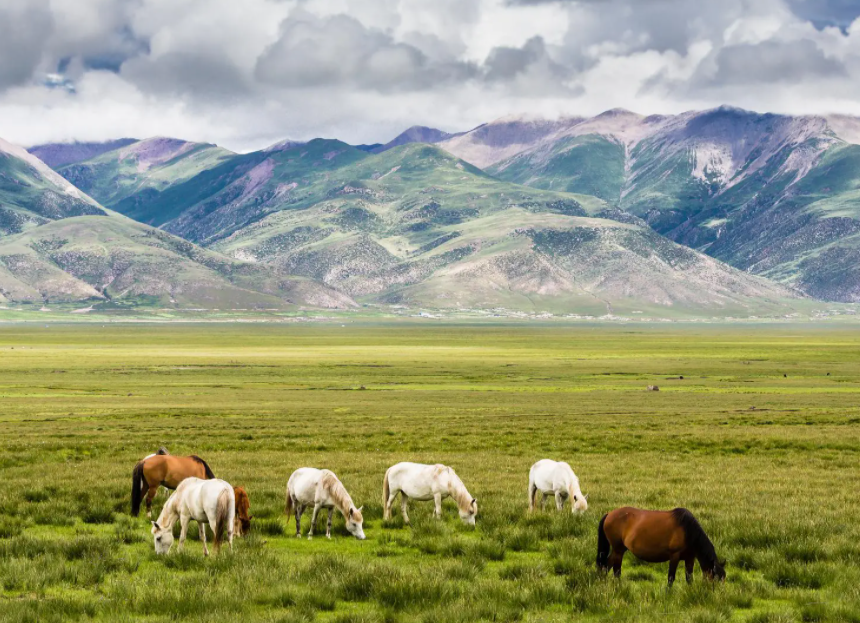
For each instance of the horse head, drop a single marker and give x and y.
(355, 523)
(163, 538)
(468, 514)
(580, 503)
(718, 572)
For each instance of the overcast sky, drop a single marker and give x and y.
(245, 74)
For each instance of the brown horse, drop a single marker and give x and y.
(656, 536)
(167, 470)
(242, 522)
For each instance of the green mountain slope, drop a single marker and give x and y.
(766, 193)
(31, 194)
(417, 226)
(142, 169)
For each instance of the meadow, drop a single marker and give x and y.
(759, 439)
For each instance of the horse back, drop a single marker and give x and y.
(653, 536)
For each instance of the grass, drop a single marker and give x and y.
(759, 439)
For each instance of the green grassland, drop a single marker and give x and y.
(759, 439)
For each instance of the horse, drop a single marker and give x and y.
(424, 483)
(558, 479)
(323, 489)
(656, 536)
(204, 501)
(242, 525)
(167, 470)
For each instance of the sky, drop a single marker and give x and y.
(246, 74)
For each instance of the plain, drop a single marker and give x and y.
(759, 439)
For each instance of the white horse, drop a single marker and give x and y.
(211, 501)
(556, 478)
(424, 483)
(322, 489)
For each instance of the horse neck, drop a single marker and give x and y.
(340, 496)
(705, 553)
(458, 491)
(169, 514)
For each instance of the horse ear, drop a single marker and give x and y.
(350, 512)
(155, 525)
(586, 496)
(474, 500)
(360, 508)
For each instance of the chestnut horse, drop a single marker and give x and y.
(167, 470)
(243, 509)
(656, 536)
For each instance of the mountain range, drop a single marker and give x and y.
(723, 212)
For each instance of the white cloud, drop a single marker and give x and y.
(245, 74)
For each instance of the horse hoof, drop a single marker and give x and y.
(310, 538)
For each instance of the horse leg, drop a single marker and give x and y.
(150, 496)
(559, 501)
(183, 520)
(543, 501)
(615, 560)
(689, 561)
(403, 500)
(201, 529)
(437, 499)
(673, 567)
(300, 509)
(314, 521)
(328, 525)
(388, 503)
(532, 494)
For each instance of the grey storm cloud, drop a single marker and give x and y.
(25, 25)
(772, 62)
(315, 52)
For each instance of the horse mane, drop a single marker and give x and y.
(696, 538)
(337, 491)
(208, 471)
(460, 494)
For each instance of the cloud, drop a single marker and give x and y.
(772, 62)
(248, 73)
(24, 26)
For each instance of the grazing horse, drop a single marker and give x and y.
(556, 478)
(204, 501)
(242, 525)
(323, 489)
(424, 483)
(167, 470)
(656, 536)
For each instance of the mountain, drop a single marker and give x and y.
(770, 194)
(417, 226)
(57, 155)
(500, 139)
(58, 245)
(142, 169)
(415, 134)
(32, 194)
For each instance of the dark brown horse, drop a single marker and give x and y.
(167, 470)
(242, 522)
(656, 536)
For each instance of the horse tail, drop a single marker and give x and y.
(137, 481)
(288, 505)
(386, 491)
(602, 546)
(209, 474)
(222, 515)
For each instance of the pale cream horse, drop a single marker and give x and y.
(205, 501)
(424, 483)
(322, 489)
(556, 478)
